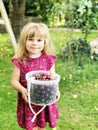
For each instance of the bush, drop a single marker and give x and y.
(94, 57)
(77, 50)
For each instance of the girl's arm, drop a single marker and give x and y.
(52, 70)
(16, 84)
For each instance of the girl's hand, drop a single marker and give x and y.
(24, 94)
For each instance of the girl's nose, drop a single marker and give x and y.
(35, 42)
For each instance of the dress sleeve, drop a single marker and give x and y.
(16, 62)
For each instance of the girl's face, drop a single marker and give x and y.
(34, 46)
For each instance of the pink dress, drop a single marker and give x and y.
(24, 114)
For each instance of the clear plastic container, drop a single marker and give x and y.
(42, 92)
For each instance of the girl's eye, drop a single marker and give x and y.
(39, 40)
(30, 39)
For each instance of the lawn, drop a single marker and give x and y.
(78, 105)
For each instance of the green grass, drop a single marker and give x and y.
(78, 105)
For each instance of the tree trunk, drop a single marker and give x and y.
(16, 15)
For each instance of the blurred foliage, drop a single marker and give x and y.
(77, 14)
(82, 14)
(48, 10)
(77, 50)
(51, 11)
(94, 57)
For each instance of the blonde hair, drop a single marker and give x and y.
(32, 30)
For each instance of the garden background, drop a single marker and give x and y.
(71, 30)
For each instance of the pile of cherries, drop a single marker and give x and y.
(43, 76)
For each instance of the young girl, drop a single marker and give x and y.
(34, 52)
